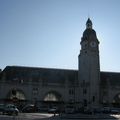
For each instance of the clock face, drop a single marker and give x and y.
(93, 44)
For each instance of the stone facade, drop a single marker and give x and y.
(85, 87)
(89, 68)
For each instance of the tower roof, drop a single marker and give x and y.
(89, 31)
(89, 21)
(89, 24)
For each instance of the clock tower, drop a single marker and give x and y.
(89, 68)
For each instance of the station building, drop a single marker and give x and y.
(85, 87)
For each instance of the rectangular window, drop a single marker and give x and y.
(84, 91)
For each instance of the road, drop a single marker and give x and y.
(40, 116)
(27, 116)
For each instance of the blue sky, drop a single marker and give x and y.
(47, 33)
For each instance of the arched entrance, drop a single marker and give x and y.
(52, 99)
(16, 94)
(17, 97)
(53, 96)
(116, 100)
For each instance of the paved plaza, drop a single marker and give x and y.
(39, 116)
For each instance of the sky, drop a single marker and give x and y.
(47, 33)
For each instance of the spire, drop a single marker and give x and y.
(89, 24)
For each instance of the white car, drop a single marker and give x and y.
(10, 109)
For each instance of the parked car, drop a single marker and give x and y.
(88, 110)
(29, 108)
(69, 109)
(42, 109)
(114, 111)
(106, 110)
(97, 110)
(2, 107)
(10, 109)
(53, 110)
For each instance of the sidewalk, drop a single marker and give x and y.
(86, 116)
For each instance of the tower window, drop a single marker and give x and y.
(93, 98)
(35, 91)
(85, 51)
(85, 102)
(83, 83)
(84, 91)
(71, 91)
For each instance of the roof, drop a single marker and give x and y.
(47, 75)
(52, 75)
(110, 78)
